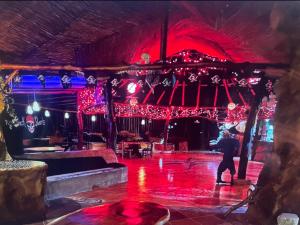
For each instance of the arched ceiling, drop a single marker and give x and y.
(110, 33)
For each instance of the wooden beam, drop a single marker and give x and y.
(227, 91)
(251, 90)
(242, 99)
(216, 95)
(160, 97)
(147, 96)
(173, 91)
(11, 77)
(145, 67)
(183, 93)
(124, 82)
(48, 108)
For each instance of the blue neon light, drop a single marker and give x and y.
(51, 82)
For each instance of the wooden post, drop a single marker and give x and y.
(255, 139)
(198, 94)
(164, 35)
(260, 92)
(163, 56)
(183, 93)
(80, 130)
(110, 118)
(166, 133)
(166, 129)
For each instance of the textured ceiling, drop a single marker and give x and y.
(94, 32)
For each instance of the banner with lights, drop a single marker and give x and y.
(91, 102)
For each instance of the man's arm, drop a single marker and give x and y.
(219, 145)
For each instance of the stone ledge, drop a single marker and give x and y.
(108, 155)
(67, 184)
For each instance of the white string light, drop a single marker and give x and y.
(29, 110)
(36, 106)
(47, 113)
(67, 115)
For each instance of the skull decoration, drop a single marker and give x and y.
(30, 123)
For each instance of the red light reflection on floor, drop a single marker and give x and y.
(183, 179)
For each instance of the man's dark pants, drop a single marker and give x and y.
(226, 164)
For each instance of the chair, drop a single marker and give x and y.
(147, 152)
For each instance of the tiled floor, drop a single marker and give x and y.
(183, 182)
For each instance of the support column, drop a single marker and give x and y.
(80, 130)
(255, 139)
(110, 118)
(260, 92)
(164, 35)
(166, 133)
(166, 129)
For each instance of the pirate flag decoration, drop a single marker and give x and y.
(193, 78)
(66, 81)
(17, 81)
(166, 82)
(42, 79)
(91, 81)
(31, 122)
(215, 79)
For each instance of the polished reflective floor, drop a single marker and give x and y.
(183, 182)
(178, 180)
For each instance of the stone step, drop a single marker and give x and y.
(59, 186)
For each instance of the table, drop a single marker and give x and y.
(125, 144)
(157, 147)
(22, 190)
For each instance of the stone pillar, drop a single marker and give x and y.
(3, 151)
(22, 186)
(279, 181)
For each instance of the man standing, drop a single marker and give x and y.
(229, 146)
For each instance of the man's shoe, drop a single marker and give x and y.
(220, 182)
